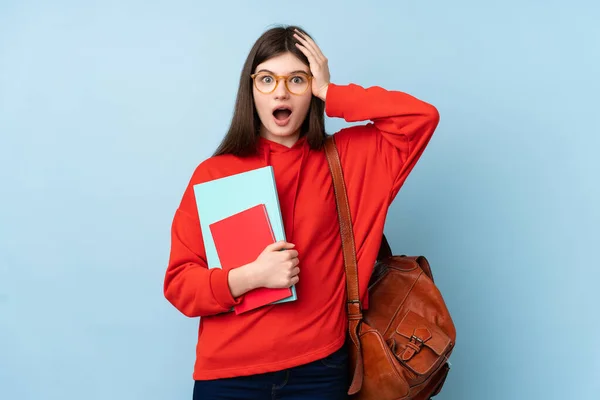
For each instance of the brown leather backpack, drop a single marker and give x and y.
(399, 347)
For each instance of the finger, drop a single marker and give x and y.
(307, 41)
(295, 271)
(291, 254)
(294, 280)
(311, 57)
(281, 245)
(311, 44)
(307, 46)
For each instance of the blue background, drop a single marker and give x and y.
(106, 107)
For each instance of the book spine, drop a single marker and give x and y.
(264, 207)
(278, 204)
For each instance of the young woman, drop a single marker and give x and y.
(293, 350)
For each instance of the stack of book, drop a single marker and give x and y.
(239, 216)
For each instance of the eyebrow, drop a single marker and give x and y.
(291, 73)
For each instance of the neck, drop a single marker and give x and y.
(288, 140)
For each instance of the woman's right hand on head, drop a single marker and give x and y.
(276, 266)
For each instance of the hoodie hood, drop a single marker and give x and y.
(268, 147)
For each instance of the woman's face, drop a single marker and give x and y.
(282, 112)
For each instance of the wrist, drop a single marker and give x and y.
(323, 93)
(241, 280)
(250, 276)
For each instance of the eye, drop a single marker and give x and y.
(267, 79)
(297, 79)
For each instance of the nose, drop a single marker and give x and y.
(281, 91)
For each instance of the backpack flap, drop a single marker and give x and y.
(420, 344)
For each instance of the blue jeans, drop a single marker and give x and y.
(324, 379)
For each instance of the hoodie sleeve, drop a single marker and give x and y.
(189, 285)
(401, 128)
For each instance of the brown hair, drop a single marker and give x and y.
(241, 138)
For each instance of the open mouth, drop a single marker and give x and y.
(282, 113)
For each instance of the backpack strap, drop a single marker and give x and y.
(349, 251)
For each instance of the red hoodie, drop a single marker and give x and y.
(376, 159)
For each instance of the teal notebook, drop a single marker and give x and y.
(223, 197)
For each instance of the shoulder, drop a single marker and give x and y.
(358, 137)
(212, 168)
(220, 166)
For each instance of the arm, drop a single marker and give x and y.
(402, 126)
(198, 291)
(189, 285)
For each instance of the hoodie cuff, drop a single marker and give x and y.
(219, 287)
(334, 104)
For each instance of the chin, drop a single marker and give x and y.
(283, 131)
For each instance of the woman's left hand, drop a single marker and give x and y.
(318, 64)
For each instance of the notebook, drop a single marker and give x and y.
(223, 197)
(239, 239)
